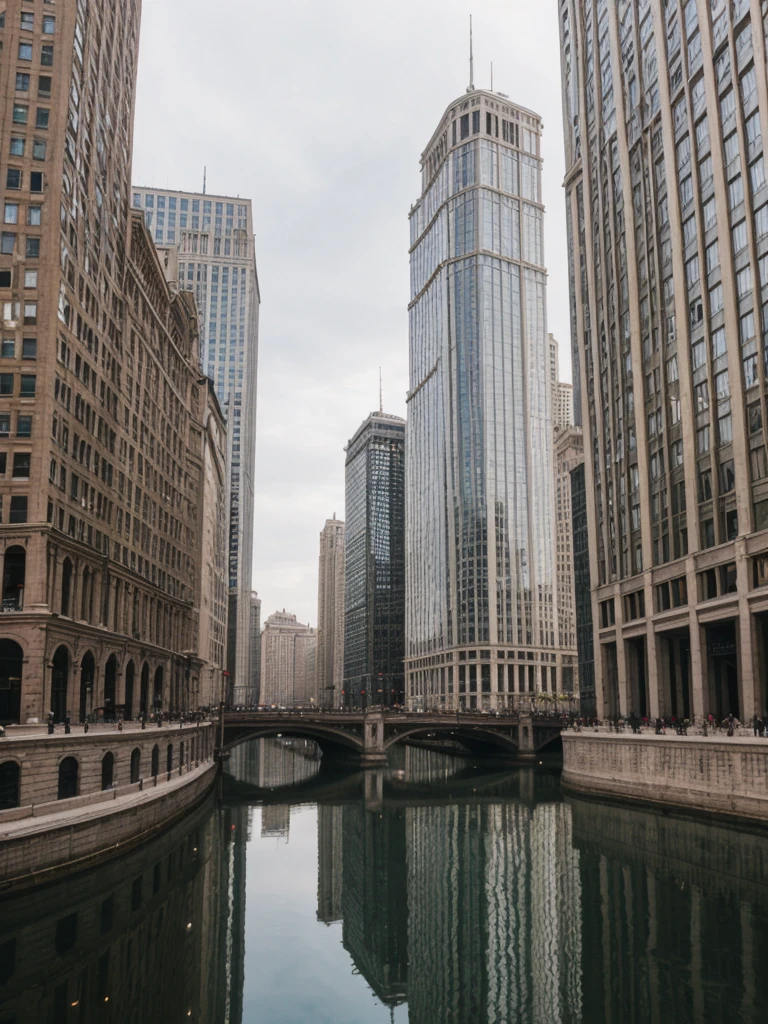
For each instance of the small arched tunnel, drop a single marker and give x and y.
(550, 745)
(477, 741)
(333, 743)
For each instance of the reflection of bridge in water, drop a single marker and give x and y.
(367, 737)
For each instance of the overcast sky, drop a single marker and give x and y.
(318, 110)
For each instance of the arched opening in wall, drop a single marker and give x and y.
(68, 772)
(60, 683)
(87, 683)
(130, 675)
(10, 785)
(135, 764)
(85, 589)
(110, 688)
(14, 575)
(107, 770)
(66, 586)
(144, 694)
(11, 664)
(169, 758)
(157, 699)
(155, 761)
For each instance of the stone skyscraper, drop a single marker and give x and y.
(288, 653)
(665, 117)
(480, 574)
(330, 614)
(101, 411)
(217, 262)
(255, 647)
(374, 588)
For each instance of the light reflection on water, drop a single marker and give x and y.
(437, 892)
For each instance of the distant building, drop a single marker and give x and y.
(583, 592)
(255, 685)
(374, 591)
(288, 650)
(562, 393)
(330, 614)
(216, 261)
(569, 452)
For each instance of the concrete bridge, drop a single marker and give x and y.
(365, 736)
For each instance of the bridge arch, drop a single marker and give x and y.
(332, 742)
(474, 738)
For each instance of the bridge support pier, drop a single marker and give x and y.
(374, 752)
(525, 744)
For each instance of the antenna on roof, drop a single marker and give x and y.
(471, 60)
(381, 394)
(205, 178)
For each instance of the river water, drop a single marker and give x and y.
(439, 892)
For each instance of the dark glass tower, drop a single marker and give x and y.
(374, 581)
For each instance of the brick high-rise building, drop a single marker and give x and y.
(330, 614)
(99, 389)
(217, 261)
(288, 652)
(666, 117)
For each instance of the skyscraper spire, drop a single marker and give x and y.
(471, 60)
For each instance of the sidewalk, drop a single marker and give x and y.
(743, 735)
(16, 733)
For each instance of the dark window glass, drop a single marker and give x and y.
(33, 247)
(28, 384)
(13, 178)
(21, 464)
(6, 383)
(24, 426)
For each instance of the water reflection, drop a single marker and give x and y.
(436, 893)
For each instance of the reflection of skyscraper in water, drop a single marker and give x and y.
(374, 894)
(275, 821)
(235, 822)
(494, 909)
(329, 863)
(271, 763)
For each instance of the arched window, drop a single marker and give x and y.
(84, 596)
(155, 760)
(14, 574)
(135, 764)
(107, 770)
(130, 674)
(66, 586)
(10, 784)
(110, 679)
(11, 666)
(68, 772)
(169, 758)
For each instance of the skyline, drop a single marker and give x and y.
(319, 359)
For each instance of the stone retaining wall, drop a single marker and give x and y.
(717, 776)
(40, 755)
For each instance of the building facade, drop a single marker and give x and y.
(330, 614)
(562, 393)
(668, 223)
(480, 571)
(374, 588)
(100, 390)
(217, 262)
(288, 653)
(253, 696)
(569, 452)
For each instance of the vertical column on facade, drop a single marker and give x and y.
(653, 655)
(53, 577)
(699, 667)
(74, 589)
(621, 670)
(745, 640)
(678, 664)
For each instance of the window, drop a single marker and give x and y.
(716, 299)
(5, 279)
(18, 509)
(25, 51)
(13, 180)
(30, 279)
(735, 192)
(20, 113)
(757, 174)
(17, 146)
(744, 282)
(28, 384)
(722, 387)
(22, 82)
(710, 214)
(23, 425)
(5, 425)
(701, 397)
(27, 21)
(34, 215)
(725, 429)
(6, 383)
(698, 354)
(44, 85)
(702, 440)
(751, 376)
(21, 463)
(42, 116)
(29, 348)
(713, 257)
(33, 247)
(11, 214)
(8, 348)
(739, 237)
(30, 313)
(46, 56)
(35, 181)
(727, 477)
(49, 25)
(38, 149)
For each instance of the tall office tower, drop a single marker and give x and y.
(98, 394)
(668, 220)
(374, 581)
(217, 262)
(480, 614)
(330, 614)
(288, 651)
(582, 590)
(569, 452)
(255, 685)
(562, 393)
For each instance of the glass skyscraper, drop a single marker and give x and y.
(216, 261)
(374, 575)
(480, 614)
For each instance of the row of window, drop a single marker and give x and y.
(14, 180)
(20, 467)
(27, 385)
(46, 53)
(23, 424)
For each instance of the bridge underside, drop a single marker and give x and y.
(334, 745)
